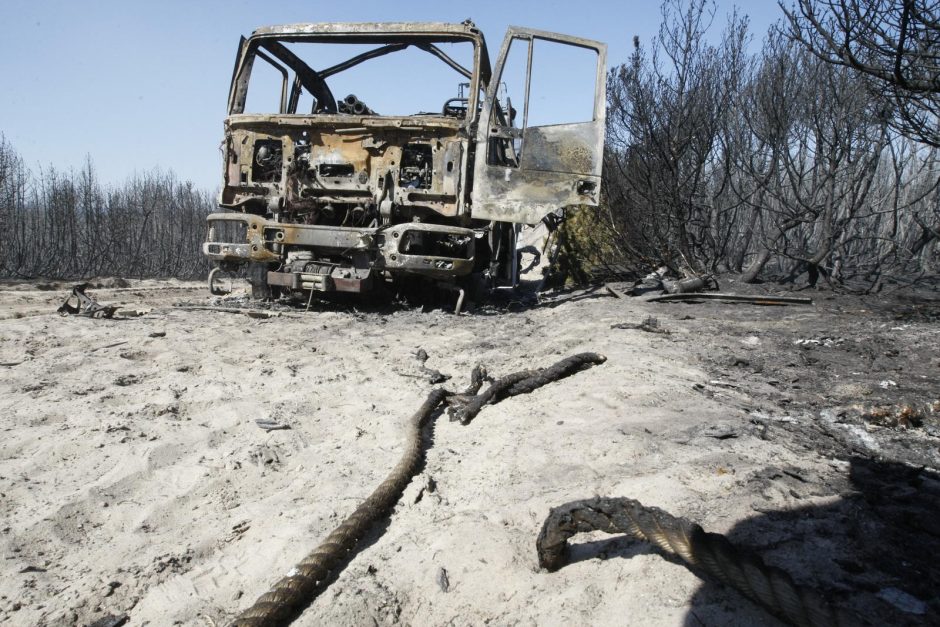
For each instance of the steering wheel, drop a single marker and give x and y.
(456, 110)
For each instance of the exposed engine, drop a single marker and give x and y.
(267, 161)
(416, 166)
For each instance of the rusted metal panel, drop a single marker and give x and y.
(564, 148)
(264, 238)
(409, 30)
(559, 166)
(284, 279)
(528, 196)
(343, 123)
(370, 154)
(396, 256)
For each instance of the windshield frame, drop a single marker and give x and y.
(388, 38)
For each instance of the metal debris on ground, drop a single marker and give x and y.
(31, 569)
(106, 346)
(111, 621)
(434, 376)
(85, 305)
(819, 341)
(652, 282)
(443, 581)
(753, 299)
(656, 281)
(461, 294)
(213, 287)
(650, 325)
(270, 425)
(251, 313)
(720, 432)
(690, 285)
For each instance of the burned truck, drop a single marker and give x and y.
(357, 156)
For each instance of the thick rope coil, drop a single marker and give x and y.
(707, 553)
(289, 596)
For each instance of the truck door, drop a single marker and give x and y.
(540, 140)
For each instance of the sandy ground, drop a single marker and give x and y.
(134, 480)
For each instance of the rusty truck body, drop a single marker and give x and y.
(323, 193)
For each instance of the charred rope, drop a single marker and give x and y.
(706, 553)
(464, 408)
(289, 596)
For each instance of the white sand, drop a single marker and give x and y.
(133, 478)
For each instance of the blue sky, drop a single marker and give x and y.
(139, 85)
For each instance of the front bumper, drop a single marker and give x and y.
(397, 248)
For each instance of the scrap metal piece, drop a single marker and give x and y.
(461, 294)
(270, 425)
(652, 282)
(260, 314)
(753, 299)
(691, 284)
(213, 289)
(111, 621)
(443, 581)
(434, 376)
(650, 325)
(85, 305)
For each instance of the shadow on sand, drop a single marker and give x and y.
(872, 552)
